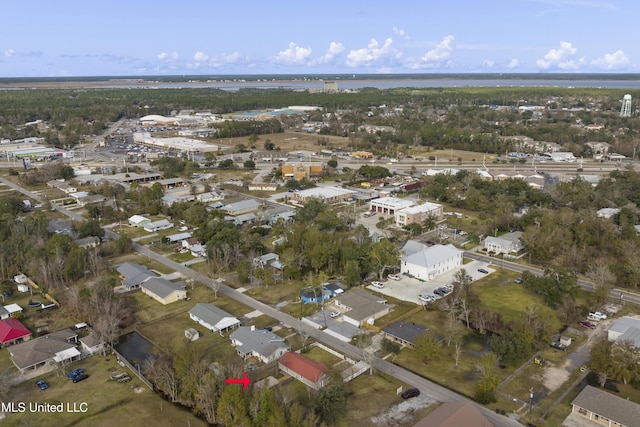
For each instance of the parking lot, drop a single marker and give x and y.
(408, 289)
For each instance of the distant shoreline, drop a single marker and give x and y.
(283, 80)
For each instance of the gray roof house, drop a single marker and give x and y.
(91, 343)
(625, 329)
(360, 306)
(56, 347)
(260, 343)
(133, 275)
(241, 207)
(403, 333)
(604, 408)
(213, 318)
(164, 291)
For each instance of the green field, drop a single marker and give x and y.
(108, 403)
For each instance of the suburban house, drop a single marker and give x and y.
(260, 343)
(63, 186)
(389, 205)
(312, 295)
(91, 199)
(328, 195)
(310, 373)
(196, 248)
(138, 221)
(501, 245)
(625, 329)
(359, 306)
(91, 343)
(164, 291)
(209, 197)
(213, 318)
(607, 213)
(12, 331)
(9, 310)
(604, 408)
(268, 260)
(241, 219)
(133, 275)
(154, 226)
(418, 214)
(56, 347)
(455, 414)
(88, 242)
(403, 333)
(241, 207)
(333, 288)
(431, 262)
(178, 237)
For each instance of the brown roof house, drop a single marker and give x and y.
(455, 414)
(307, 371)
(58, 347)
(604, 408)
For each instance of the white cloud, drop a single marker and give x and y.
(293, 55)
(488, 63)
(401, 33)
(514, 63)
(562, 58)
(436, 57)
(373, 54)
(224, 59)
(335, 49)
(612, 61)
(200, 56)
(168, 57)
(9, 52)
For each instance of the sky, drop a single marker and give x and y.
(63, 38)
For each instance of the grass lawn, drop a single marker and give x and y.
(319, 355)
(372, 395)
(109, 403)
(275, 294)
(512, 300)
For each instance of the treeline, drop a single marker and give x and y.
(186, 377)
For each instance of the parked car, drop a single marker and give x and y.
(587, 324)
(80, 377)
(597, 316)
(334, 314)
(42, 384)
(395, 277)
(484, 271)
(426, 298)
(431, 242)
(377, 285)
(519, 280)
(268, 328)
(71, 375)
(558, 345)
(412, 392)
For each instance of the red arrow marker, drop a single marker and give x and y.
(244, 381)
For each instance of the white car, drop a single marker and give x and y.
(597, 316)
(334, 314)
(377, 285)
(426, 298)
(394, 277)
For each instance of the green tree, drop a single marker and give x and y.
(243, 271)
(226, 164)
(427, 346)
(333, 164)
(233, 407)
(269, 146)
(331, 402)
(122, 245)
(249, 164)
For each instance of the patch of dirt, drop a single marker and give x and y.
(138, 390)
(397, 415)
(555, 376)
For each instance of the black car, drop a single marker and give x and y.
(412, 392)
(484, 271)
(80, 377)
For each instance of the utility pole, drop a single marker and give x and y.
(530, 401)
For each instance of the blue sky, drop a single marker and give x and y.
(95, 38)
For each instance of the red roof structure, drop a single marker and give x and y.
(304, 367)
(12, 329)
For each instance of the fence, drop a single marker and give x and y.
(47, 296)
(125, 362)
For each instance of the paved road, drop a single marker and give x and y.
(439, 393)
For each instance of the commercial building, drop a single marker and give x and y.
(431, 262)
(302, 170)
(329, 195)
(389, 205)
(418, 214)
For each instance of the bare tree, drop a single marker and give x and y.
(458, 343)
(74, 300)
(107, 309)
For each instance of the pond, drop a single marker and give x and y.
(135, 348)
